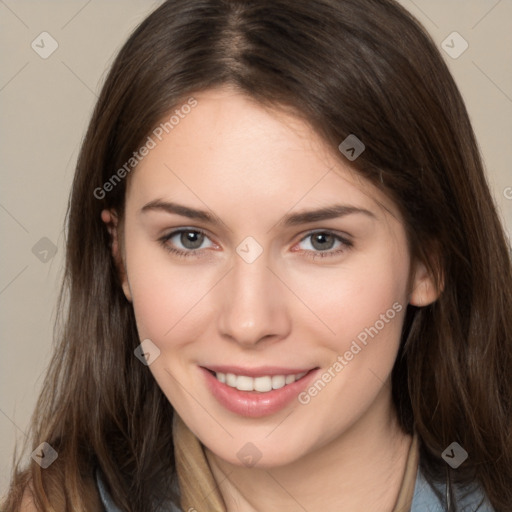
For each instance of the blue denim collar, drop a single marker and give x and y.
(425, 498)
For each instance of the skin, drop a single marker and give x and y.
(250, 166)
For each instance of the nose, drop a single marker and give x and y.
(253, 304)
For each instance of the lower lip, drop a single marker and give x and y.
(253, 404)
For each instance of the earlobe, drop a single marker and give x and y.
(110, 218)
(424, 288)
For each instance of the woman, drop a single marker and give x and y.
(288, 285)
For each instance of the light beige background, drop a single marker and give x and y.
(46, 104)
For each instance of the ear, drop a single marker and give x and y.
(111, 220)
(424, 289)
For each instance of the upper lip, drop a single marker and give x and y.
(258, 371)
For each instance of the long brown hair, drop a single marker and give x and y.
(363, 67)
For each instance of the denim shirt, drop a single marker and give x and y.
(424, 499)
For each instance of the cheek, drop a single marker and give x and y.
(164, 294)
(364, 304)
(362, 300)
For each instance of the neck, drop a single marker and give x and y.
(362, 469)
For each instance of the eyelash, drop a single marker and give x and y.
(346, 244)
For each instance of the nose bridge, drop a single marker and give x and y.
(253, 306)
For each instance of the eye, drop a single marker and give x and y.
(185, 242)
(324, 244)
(188, 242)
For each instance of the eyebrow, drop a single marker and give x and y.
(292, 219)
(184, 211)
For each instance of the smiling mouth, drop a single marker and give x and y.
(261, 384)
(255, 392)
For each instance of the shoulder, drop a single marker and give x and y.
(432, 497)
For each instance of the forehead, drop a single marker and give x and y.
(229, 145)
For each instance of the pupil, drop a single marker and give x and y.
(191, 239)
(320, 239)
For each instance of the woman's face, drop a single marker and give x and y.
(262, 288)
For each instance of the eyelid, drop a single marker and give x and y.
(330, 231)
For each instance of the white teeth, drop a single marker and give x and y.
(260, 384)
(289, 379)
(244, 383)
(278, 381)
